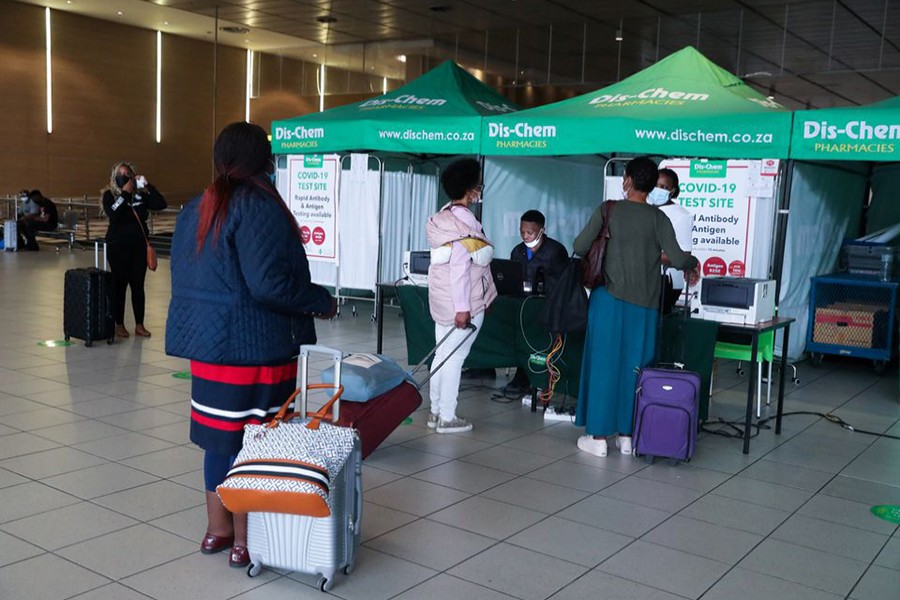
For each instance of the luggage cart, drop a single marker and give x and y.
(852, 315)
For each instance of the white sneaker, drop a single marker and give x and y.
(432, 421)
(454, 425)
(623, 443)
(588, 444)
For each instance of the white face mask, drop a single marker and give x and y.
(658, 197)
(537, 240)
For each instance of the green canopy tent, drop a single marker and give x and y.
(840, 181)
(684, 105)
(869, 133)
(437, 113)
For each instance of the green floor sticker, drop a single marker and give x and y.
(890, 513)
(407, 421)
(54, 343)
(182, 375)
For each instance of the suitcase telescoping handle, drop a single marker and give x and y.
(97, 254)
(471, 331)
(337, 356)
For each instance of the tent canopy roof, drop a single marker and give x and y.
(683, 105)
(439, 112)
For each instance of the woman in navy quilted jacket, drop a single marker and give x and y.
(242, 304)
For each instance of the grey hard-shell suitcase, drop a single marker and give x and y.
(315, 545)
(10, 235)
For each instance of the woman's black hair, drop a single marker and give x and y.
(643, 173)
(673, 177)
(460, 177)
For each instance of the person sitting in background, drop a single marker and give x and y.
(542, 259)
(46, 218)
(664, 195)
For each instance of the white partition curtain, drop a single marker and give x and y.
(826, 207)
(565, 190)
(357, 236)
(409, 199)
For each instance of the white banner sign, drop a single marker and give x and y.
(312, 198)
(718, 194)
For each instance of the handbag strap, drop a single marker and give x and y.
(140, 225)
(607, 213)
(282, 415)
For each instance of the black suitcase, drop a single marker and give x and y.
(87, 305)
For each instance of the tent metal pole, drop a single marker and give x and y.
(781, 227)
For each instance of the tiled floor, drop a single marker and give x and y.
(101, 492)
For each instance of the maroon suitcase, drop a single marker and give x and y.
(376, 419)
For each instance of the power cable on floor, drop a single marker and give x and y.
(762, 424)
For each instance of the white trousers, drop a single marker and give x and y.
(444, 384)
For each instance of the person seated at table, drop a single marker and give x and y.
(664, 195)
(542, 257)
(45, 219)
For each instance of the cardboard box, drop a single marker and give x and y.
(849, 324)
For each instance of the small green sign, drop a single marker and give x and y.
(708, 168)
(313, 161)
(407, 421)
(538, 358)
(182, 375)
(54, 343)
(890, 513)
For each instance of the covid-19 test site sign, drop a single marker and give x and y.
(732, 203)
(312, 199)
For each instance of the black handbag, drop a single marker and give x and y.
(566, 306)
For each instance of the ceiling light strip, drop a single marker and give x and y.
(49, 71)
(249, 85)
(158, 87)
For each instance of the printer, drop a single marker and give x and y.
(738, 300)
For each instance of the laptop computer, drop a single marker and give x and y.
(508, 277)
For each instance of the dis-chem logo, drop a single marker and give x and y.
(708, 168)
(655, 96)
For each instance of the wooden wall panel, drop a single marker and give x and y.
(23, 153)
(104, 97)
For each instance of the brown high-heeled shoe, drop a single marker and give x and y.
(240, 557)
(213, 544)
(141, 331)
(122, 332)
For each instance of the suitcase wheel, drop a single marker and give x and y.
(673, 462)
(324, 584)
(88, 343)
(348, 569)
(648, 459)
(254, 569)
(66, 338)
(111, 340)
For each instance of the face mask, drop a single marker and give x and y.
(537, 240)
(122, 180)
(625, 190)
(477, 198)
(658, 197)
(272, 178)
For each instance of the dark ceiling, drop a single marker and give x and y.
(805, 53)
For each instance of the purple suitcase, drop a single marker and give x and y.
(666, 406)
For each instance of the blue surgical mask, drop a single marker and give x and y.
(658, 197)
(272, 178)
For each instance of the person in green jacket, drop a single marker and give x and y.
(622, 316)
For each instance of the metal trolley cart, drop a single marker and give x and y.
(852, 315)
